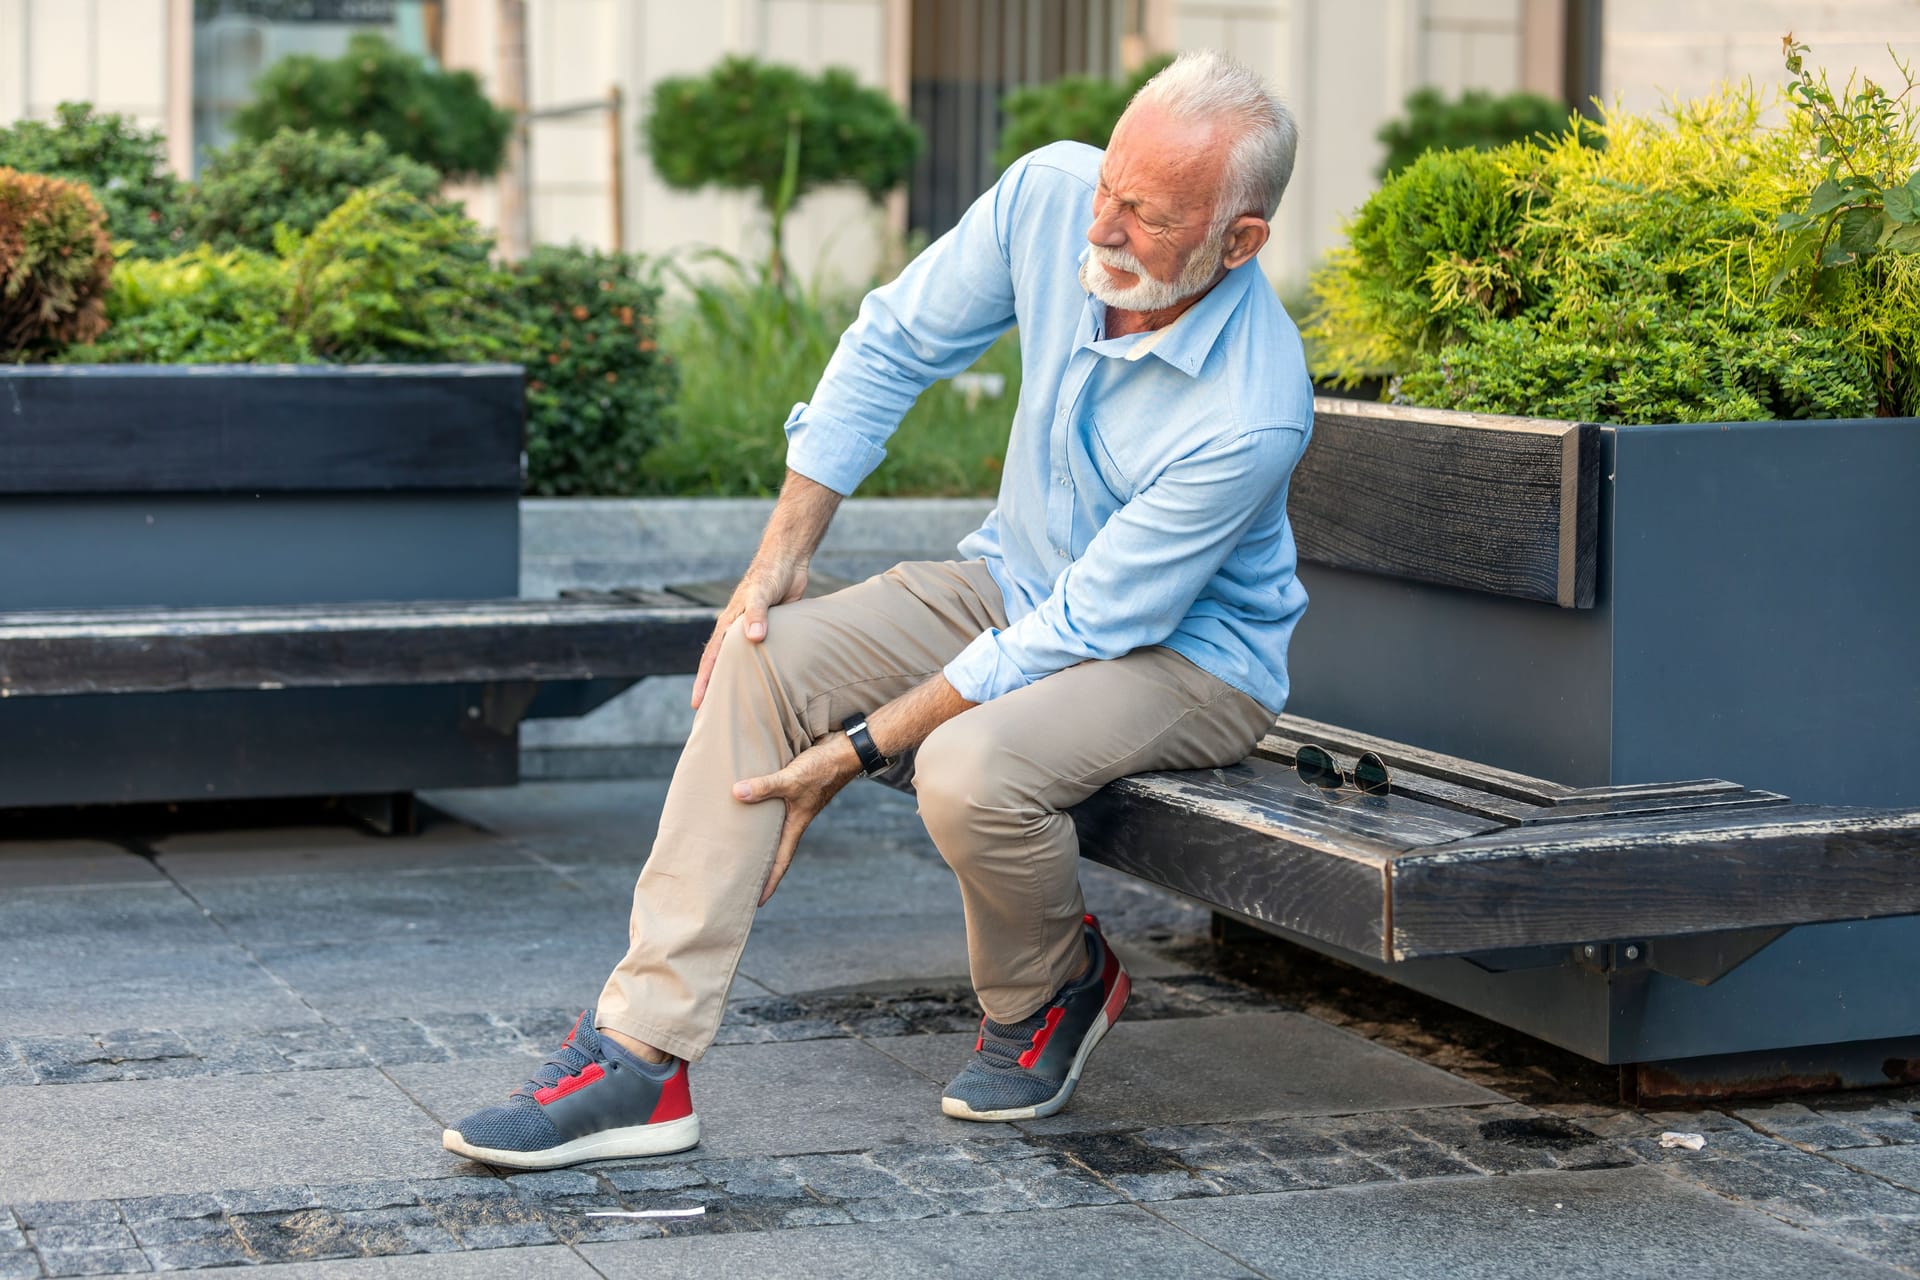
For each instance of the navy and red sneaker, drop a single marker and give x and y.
(1028, 1069)
(590, 1101)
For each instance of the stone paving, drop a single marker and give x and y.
(237, 1047)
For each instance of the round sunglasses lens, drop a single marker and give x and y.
(1370, 775)
(1316, 767)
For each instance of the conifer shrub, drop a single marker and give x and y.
(55, 261)
(443, 119)
(296, 178)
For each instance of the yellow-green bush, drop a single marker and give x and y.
(1680, 267)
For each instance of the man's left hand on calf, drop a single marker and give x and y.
(813, 777)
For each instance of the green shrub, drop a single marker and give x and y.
(385, 277)
(124, 164)
(1072, 108)
(296, 177)
(1475, 121)
(598, 386)
(748, 349)
(202, 307)
(777, 132)
(1652, 278)
(55, 260)
(440, 118)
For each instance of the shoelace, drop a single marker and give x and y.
(568, 1060)
(1001, 1044)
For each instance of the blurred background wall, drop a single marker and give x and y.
(1345, 65)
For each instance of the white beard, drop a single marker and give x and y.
(1146, 293)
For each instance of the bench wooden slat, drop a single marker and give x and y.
(438, 642)
(1291, 731)
(1677, 874)
(1503, 505)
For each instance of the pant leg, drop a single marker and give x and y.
(822, 661)
(993, 784)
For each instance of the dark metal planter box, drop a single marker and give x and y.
(1616, 606)
(130, 486)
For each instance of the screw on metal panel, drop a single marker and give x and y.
(473, 713)
(1633, 953)
(1587, 951)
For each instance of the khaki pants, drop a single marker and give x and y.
(992, 785)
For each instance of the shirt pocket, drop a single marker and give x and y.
(1109, 456)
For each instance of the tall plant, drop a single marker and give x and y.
(123, 164)
(779, 133)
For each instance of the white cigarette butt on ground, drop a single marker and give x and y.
(1691, 1141)
(694, 1212)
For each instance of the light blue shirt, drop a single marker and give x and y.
(1144, 496)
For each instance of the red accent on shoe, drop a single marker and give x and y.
(576, 1027)
(562, 1088)
(1118, 1000)
(1041, 1037)
(676, 1099)
(980, 1041)
(1093, 920)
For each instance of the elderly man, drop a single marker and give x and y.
(1126, 607)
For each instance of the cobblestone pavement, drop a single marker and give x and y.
(237, 1048)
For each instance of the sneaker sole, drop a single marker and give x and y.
(659, 1139)
(1095, 1034)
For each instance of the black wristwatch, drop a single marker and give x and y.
(872, 763)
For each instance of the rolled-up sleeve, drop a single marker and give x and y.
(929, 323)
(1143, 571)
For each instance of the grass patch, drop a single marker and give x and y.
(749, 349)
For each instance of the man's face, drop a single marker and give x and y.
(1153, 208)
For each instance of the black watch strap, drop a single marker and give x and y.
(872, 763)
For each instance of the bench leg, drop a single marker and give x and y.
(1229, 930)
(391, 813)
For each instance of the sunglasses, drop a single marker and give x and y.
(1317, 767)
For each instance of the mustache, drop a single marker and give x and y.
(1118, 258)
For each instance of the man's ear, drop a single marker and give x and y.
(1246, 236)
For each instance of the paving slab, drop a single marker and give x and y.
(26, 864)
(567, 821)
(46, 988)
(1113, 1240)
(550, 1262)
(1246, 1067)
(1604, 1224)
(754, 1100)
(792, 956)
(138, 916)
(346, 979)
(1898, 1165)
(485, 902)
(277, 851)
(150, 1137)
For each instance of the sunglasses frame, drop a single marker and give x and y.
(1316, 776)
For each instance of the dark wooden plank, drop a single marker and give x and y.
(1212, 844)
(1649, 804)
(1665, 876)
(73, 429)
(1256, 840)
(484, 642)
(716, 592)
(1290, 731)
(1509, 506)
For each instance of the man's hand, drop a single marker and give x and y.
(778, 574)
(765, 586)
(814, 777)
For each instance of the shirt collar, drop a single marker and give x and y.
(1186, 343)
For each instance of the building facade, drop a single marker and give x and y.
(1346, 66)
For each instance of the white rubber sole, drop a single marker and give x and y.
(1095, 1034)
(609, 1144)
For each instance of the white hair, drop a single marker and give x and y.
(1205, 85)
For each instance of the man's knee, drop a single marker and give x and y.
(961, 777)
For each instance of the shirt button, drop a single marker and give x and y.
(1063, 554)
(1063, 482)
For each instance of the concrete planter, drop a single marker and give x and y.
(130, 486)
(1755, 618)
(601, 543)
